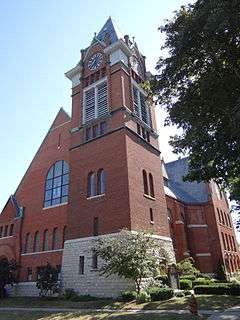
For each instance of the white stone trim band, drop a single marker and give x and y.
(197, 226)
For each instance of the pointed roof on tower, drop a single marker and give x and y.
(109, 29)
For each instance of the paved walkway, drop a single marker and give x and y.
(42, 309)
(229, 314)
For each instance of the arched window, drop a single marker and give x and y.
(64, 235)
(145, 182)
(28, 243)
(36, 244)
(151, 185)
(91, 187)
(45, 240)
(101, 181)
(56, 185)
(56, 239)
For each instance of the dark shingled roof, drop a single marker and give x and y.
(188, 192)
(111, 29)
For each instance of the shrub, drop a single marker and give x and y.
(186, 267)
(187, 292)
(202, 275)
(158, 294)
(179, 294)
(234, 289)
(218, 288)
(185, 284)
(201, 281)
(69, 293)
(220, 272)
(163, 279)
(143, 297)
(128, 295)
(188, 277)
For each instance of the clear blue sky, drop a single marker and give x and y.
(39, 41)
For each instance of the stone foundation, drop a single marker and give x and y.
(23, 289)
(91, 282)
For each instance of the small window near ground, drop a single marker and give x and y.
(94, 261)
(81, 265)
(151, 215)
(29, 274)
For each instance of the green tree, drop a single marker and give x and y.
(47, 281)
(186, 267)
(198, 82)
(134, 256)
(8, 274)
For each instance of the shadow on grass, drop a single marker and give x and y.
(102, 316)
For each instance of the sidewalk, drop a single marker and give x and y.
(229, 314)
(6, 309)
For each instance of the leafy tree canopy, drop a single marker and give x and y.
(131, 255)
(199, 85)
(8, 274)
(186, 267)
(47, 281)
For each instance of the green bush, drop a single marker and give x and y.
(163, 278)
(129, 295)
(158, 294)
(188, 277)
(179, 294)
(69, 293)
(234, 289)
(143, 297)
(185, 284)
(218, 288)
(187, 292)
(201, 281)
(187, 267)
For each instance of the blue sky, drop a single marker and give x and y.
(40, 40)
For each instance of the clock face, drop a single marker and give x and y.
(95, 61)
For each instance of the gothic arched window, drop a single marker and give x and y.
(56, 185)
(28, 243)
(91, 187)
(56, 239)
(101, 181)
(151, 185)
(45, 240)
(145, 182)
(36, 243)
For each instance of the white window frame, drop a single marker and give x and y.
(140, 90)
(94, 85)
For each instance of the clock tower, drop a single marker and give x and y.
(115, 180)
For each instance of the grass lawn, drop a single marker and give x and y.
(77, 316)
(211, 302)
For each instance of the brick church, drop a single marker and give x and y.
(99, 171)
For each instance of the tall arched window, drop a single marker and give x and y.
(56, 239)
(64, 235)
(145, 182)
(36, 243)
(56, 185)
(101, 181)
(28, 243)
(151, 185)
(91, 187)
(45, 240)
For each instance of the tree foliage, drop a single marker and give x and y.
(131, 255)
(186, 267)
(8, 274)
(199, 84)
(47, 281)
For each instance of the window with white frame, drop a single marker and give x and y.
(95, 101)
(141, 109)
